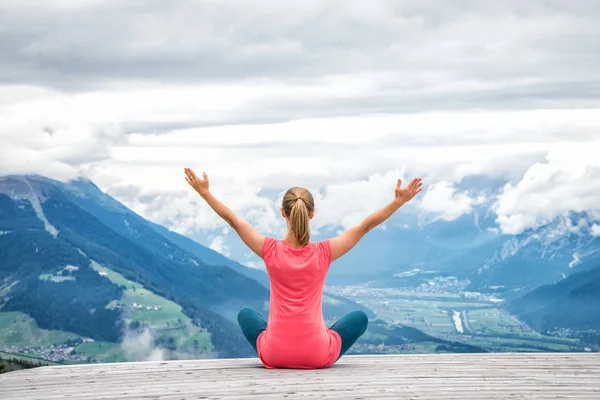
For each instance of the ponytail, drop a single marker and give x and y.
(299, 205)
(299, 221)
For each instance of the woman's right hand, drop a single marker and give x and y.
(406, 194)
(199, 185)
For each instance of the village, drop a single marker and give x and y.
(59, 353)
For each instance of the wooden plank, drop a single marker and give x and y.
(447, 376)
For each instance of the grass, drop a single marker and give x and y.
(411, 348)
(102, 351)
(115, 277)
(495, 321)
(429, 317)
(373, 336)
(168, 325)
(409, 294)
(487, 326)
(165, 318)
(56, 278)
(521, 344)
(19, 329)
(25, 357)
(492, 321)
(330, 300)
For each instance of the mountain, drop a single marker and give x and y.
(518, 263)
(210, 256)
(57, 238)
(79, 265)
(470, 248)
(569, 308)
(415, 247)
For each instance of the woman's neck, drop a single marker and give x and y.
(291, 240)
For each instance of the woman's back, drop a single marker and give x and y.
(296, 334)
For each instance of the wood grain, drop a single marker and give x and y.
(418, 376)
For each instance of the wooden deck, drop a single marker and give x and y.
(434, 376)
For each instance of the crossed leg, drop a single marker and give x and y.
(350, 327)
(252, 324)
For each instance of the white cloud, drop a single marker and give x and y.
(595, 230)
(569, 181)
(261, 99)
(145, 172)
(219, 246)
(447, 203)
(348, 203)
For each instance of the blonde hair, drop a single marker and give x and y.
(298, 206)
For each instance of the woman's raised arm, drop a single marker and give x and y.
(246, 232)
(343, 243)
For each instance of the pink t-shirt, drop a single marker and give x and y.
(296, 335)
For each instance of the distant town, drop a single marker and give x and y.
(60, 353)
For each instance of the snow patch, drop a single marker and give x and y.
(413, 272)
(576, 260)
(37, 207)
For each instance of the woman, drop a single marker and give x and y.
(296, 335)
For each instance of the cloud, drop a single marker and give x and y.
(595, 230)
(219, 246)
(57, 152)
(448, 204)
(399, 55)
(45, 132)
(343, 98)
(569, 181)
(347, 204)
(139, 346)
(251, 165)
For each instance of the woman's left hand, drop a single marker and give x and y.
(199, 185)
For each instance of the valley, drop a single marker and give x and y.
(407, 320)
(465, 317)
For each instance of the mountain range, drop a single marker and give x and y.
(471, 248)
(570, 308)
(76, 260)
(79, 268)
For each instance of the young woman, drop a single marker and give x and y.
(296, 335)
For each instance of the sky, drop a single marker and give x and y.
(342, 97)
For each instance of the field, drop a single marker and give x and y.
(330, 300)
(158, 329)
(56, 278)
(476, 322)
(164, 318)
(24, 357)
(18, 328)
(103, 351)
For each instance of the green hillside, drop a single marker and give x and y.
(570, 308)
